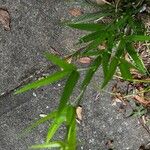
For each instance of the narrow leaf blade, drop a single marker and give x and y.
(87, 26)
(136, 58)
(125, 70)
(72, 143)
(136, 38)
(93, 68)
(68, 89)
(54, 127)
(112, 68)
(90, 17)
(48, 80)
(96, 42)
(120, 49)
(90, 37)
(60, 62)
(71, 111)
(136, 25)
(105, 62)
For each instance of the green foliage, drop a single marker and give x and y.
(111, 70)
(70, 84)
(119, 36)
(48, 80)
(60, 62)
(137, 60)
(87, 26)
(92, 69)
(90, 17)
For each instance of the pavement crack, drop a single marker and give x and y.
(36, 75)
(39, 73)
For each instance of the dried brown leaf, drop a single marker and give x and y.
(79, 113)
(142, 100)
(85, 60)
(75, 12)
(5, 19)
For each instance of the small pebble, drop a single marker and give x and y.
(42, 115)
(34, 94)
(59, 85)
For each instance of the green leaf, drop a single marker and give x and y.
(72, 143)
(105, 62)
(48, 80)
(60, 62)
(110, 41)
(93, 68)
(121, 22)
(71, 111)
(87, 26)
(111, 70)
(124, 67)
(49, 145)
(120, 49)
(128, 64)
(68, 89)
(90, 17)
(55, 125)
(38, 122)
(96, 42)
(137, 60)
(136, 38)
(136, 25)
(92, 36)
(87, 52)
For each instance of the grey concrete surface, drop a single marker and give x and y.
(35, 26)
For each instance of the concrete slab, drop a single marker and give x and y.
(35, 26)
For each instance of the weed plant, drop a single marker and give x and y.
(119, 37)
